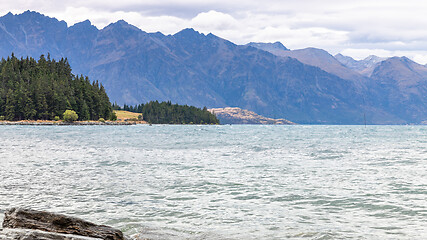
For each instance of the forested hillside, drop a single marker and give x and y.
(168, 113)
(43, 89)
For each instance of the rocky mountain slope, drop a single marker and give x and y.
(276, 48)
(308, 86)
(403, 85)
(315, 57)
(364, 67)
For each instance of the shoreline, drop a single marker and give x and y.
(77, 123)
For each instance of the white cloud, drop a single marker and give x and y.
(213, 20)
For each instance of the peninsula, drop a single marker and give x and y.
(235, 115)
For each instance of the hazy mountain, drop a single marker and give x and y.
(404, 88)
(323, 60)
(31, 34)
(276, 48)
(205, 70)
(364, 67)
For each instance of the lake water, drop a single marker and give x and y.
(224, 182)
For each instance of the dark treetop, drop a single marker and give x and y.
(43, 89)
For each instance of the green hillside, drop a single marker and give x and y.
(43, 89)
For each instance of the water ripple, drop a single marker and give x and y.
(224, 182)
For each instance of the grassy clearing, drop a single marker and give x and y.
(123, 115)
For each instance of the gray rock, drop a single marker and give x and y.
(57, 223)
(29, 234)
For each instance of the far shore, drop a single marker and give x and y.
(64, 123)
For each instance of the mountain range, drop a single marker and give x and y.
(307, 86)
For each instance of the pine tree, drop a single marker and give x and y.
(44, 89)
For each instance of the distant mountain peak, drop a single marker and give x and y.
(406, 59)
(29, 12)
(374, 59)
(346, 60)
(364, 67)
(158, 34)
(211, 35)
(121, 21)
(122, 24)
(401, 61)
(85, 23)
(314, 51)
(84, 27)
(269, 47)
(279, 45)
(34, 14)
(188, 32)
(31, 16)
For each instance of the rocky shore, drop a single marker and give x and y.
(235, 115)
(27, 224)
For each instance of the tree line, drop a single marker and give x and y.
(44, 89)
(167, 113)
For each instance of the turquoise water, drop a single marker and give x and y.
(224, 182)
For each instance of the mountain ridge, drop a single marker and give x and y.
(321, 59)
(365, 67)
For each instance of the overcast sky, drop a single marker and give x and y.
(355, 28)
